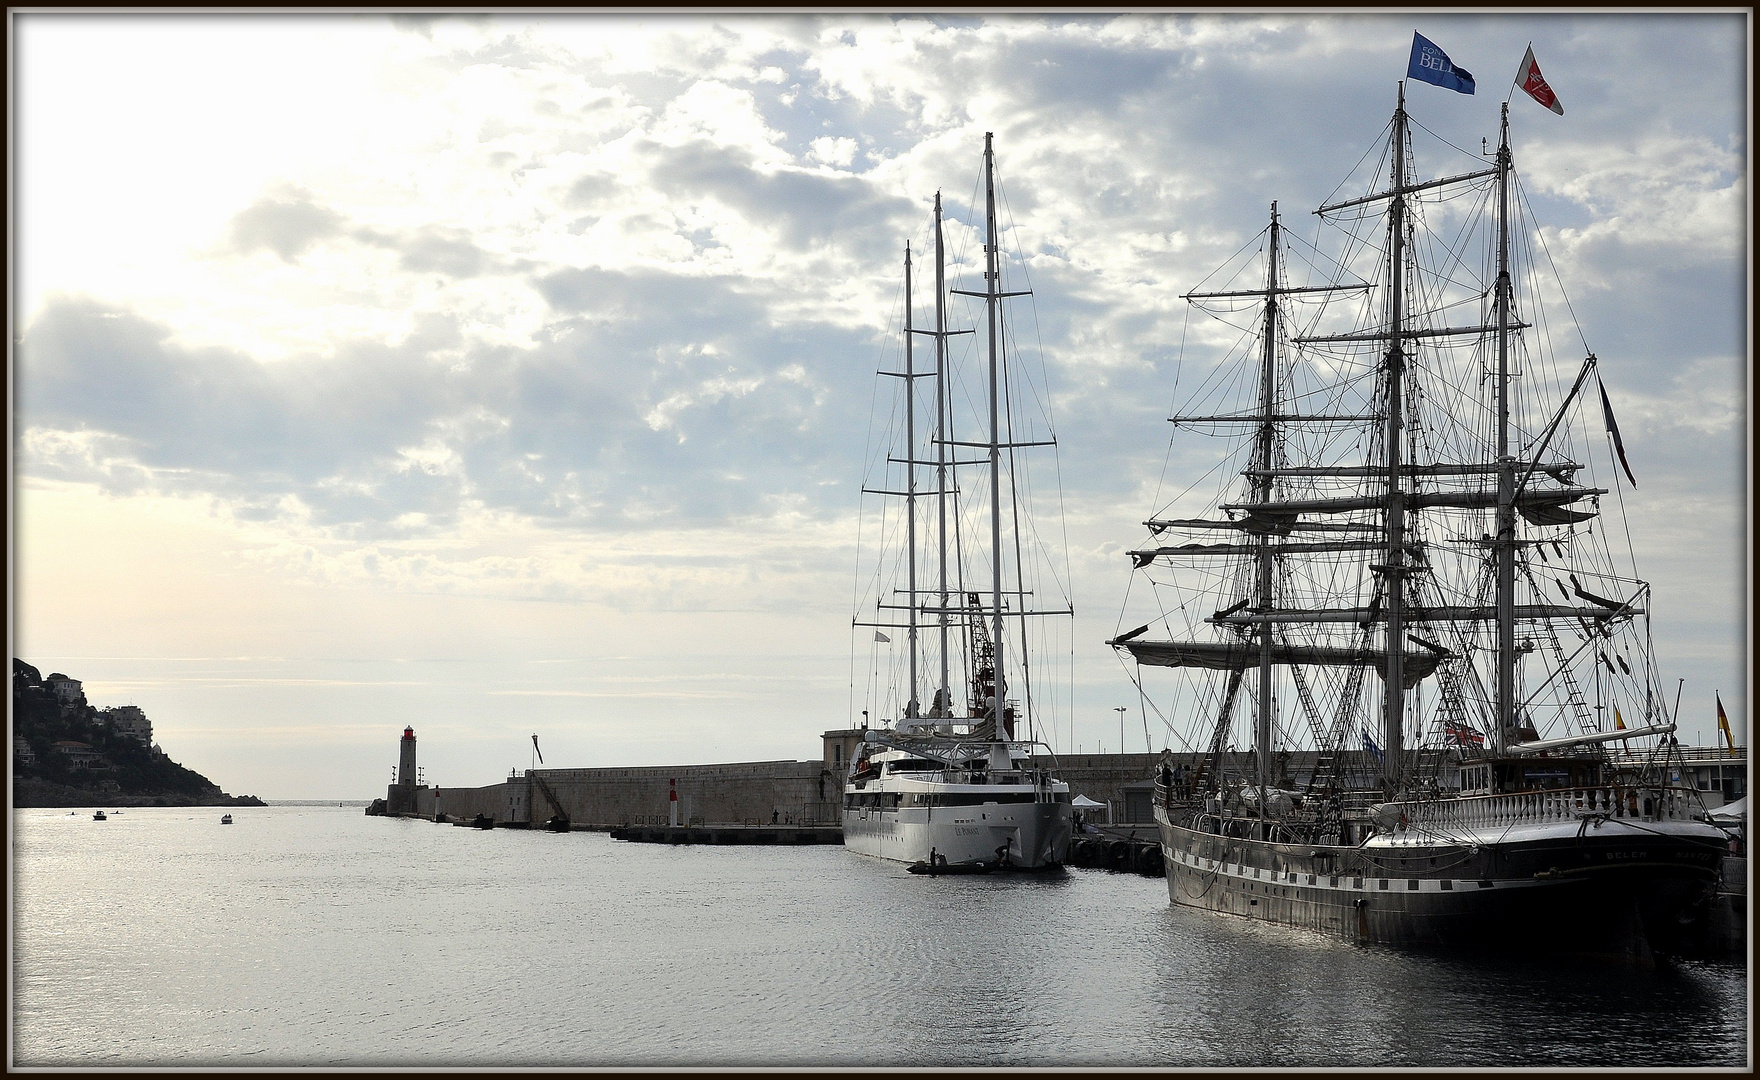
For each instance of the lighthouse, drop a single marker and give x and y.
(406, 759)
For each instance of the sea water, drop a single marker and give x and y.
(318, 936)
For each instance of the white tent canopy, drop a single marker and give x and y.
(1731, 813)
(1082, 802)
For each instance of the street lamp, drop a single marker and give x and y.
(1120, 710)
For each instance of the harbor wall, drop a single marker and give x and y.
(467, 803)
(809, 792)
(752, 792)
(1100, 777)
(755, 792)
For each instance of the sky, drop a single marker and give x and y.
(511, 374)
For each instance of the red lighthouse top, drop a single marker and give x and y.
(409, 732)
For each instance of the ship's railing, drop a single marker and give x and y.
(1688, 754)
(1028, 778)
(1563, 804)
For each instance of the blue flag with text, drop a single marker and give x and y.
(1432, 65)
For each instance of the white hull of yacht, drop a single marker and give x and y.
(1035, 834)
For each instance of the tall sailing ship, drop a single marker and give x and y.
(950, 785)
(1412, 577)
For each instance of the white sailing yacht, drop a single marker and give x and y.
(960, 789)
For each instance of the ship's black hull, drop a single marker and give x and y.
(1626, 894)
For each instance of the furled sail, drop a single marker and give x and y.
(1244, 655)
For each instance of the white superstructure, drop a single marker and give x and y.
(946, 800)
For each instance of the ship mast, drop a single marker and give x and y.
(1506, 465)
(1397, 491)
(1262, 456)
(1393, 569)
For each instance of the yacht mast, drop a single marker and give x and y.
(910, 483)
(1506, 465)
(992, 287)
(1262, 493)
(945, 696)
(1394, 569)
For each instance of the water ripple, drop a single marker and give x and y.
(317, 936)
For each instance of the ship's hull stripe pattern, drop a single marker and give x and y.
(1622, 893)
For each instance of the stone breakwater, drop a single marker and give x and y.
(799, 793)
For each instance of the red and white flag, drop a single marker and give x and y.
(1534, 84)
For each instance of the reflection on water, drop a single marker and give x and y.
(307, 935)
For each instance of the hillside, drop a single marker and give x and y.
(68, 753)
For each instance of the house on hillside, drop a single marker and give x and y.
(66, 690)
(128, 720)
(80, 755)
(22, 752)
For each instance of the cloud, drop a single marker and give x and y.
(285, 225)
(833, 151)
(804, 210)
(639, 407)
(432, 250)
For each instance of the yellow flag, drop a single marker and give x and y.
(1619, 724)
(1723, 724)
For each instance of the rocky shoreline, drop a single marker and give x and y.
(27, 794)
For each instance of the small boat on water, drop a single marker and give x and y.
(937, 864)
(940, 869)
(225, 819)
(100, 816)
(482, 821)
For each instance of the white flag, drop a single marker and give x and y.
(878, 636)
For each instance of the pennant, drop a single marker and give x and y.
(878, 636)
(1430, 64)
(1533, 84)
(537, 751)
(1619, 445)
(1723, 725)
